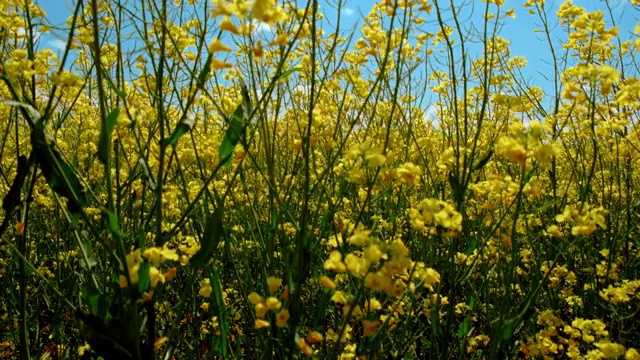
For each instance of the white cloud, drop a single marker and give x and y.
(260, 26)
(431, 114)
(300, 88)
(348, 12)
(57, 44)
(22, 32)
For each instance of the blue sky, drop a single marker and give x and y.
(520, 31)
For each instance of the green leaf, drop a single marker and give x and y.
(74, 220)
(464, 328)
(104, 337)
(182, 128)
(220, 311)
(471, 246)
(88, 250)
(275, 218)
(97, 305)
(112, 222)
(237, 125)
(435, 323)
(211, 238)
(56, 171)
(231, 137)
(89, 264)
(144, 279)
(286, 74)
(528, 176)
(507, 330)
(204, 73)
(113, 87)
(15, 255)
(485, 159)
(12, 199)
(105, 137)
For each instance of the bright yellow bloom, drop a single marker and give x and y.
(377, 281)
(408, 173)
(216, 45)
(282, 318)
(155, 276)
(327, 283)
(261, 324)
(334, 262)
(133, 260)
(268, 11)
(370, 327)
(273, 303)
(314, 337)
(255, 298)
(157, 256)
(205, 288)
(273, 283)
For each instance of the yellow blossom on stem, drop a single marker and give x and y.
(273, 283)
(282, 317)
(216, 45)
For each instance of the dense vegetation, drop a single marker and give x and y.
(254, 179)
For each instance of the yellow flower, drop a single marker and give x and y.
(133, 260)
(82, 349)
(229, 26)
(610, 350)
(430, 278)
(339, 297)
(304, 347)
(217, 45)
(377, 281)
(372, 254)
(205, 288)
(273, 303)
(554, 230)
(273, 283)
(261, 310)
(189, 246)
(359, 237)
(255, 298)
(261, 324)
(408, 173)
(159, 343)
(219, 64)
(157, 256)
(221, 8)
(513, 150)
(357, 266)
(281, 39)
(370, 327)
(155, 276)
(375, 160)
(327, 283)
(282, 318)
(314, 337)
(511, 13)
(334, 262)
(632, 354)
(268, 11)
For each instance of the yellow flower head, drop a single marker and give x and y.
(273, 283)
(282, 318)
(408, 173)
(268, 11)
(157, 256)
